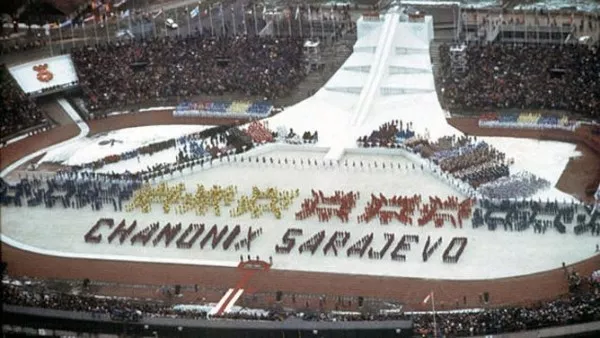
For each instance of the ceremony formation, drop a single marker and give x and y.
(284, 169)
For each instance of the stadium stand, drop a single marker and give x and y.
(254, 66)
(572, 309)
(17, 111)
(558, 77)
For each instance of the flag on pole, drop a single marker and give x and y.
(297, 13)
(125, 14)
(160, 12)
(426, 300)
(195, 12)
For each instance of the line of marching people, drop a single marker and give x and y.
(70, 190)
(435, 210)
(338, 205)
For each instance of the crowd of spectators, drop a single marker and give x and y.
(17, 45)
(522, 76)
(114, 307)
(17, 111)
(575, 308)
(120, 74)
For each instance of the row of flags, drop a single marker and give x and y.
(103, 12)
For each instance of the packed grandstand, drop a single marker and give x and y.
(407, 181)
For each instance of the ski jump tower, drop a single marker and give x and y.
(391, 57)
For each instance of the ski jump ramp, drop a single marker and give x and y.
(387, 77)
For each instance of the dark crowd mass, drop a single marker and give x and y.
(17, 111)
(116, 75)
(573, 309)
(502, 76)
(577, 307)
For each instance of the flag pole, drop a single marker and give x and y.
(222, 18)
(322, 24)
(244, 20)
(233, 22)
(62, 47)
(153, 22)
(299, 19)
(255, 22)
(310, 20)
(95, 31)
(84, 34)
(212, 28)
(434, 320)
(200, 20)
(106, 26)
(176, 22)
(187, 12)
(72, 36)
(50, 40)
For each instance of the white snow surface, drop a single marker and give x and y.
(89, 149)
(499, 249)
(545, 159)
